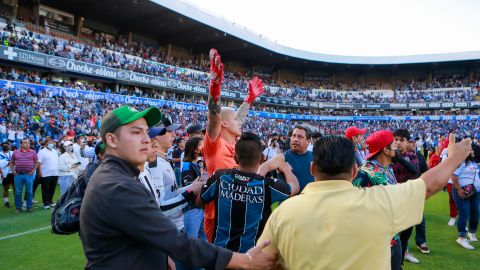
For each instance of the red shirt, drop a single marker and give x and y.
(218, 155)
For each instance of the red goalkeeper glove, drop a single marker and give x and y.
(255, 89)
(216, 74)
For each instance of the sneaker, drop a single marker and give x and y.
(18, 211)
(451, 222)
(24, 205)
(7, 204)
(464, 243)
(30, 210)
(472, 237)
(410, 258)
(46, 207)
(424, 248)
(53, 204)
(34, 201)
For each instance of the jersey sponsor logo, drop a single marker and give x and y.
(245, 194)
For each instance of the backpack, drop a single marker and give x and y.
(66, 214)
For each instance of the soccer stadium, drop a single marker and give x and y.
(244, 153)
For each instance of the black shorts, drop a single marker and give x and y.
(8, 180)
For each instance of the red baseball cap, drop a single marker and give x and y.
(378, 140)
(354, 131)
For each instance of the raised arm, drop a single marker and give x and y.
(437, 177)
(255, 89)
(214, 108)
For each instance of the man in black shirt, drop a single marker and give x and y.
(243, 198)
(177, 159)
(121, 226)
(420, 230)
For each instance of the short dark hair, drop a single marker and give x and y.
(248, 149)
(307, 130)
(100, 148)
(476, 153)
(402, 133)
(333, 155)
(316, 135)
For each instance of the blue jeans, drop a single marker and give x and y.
(467, 211)
(193, 222)
(3, 137)
(420, 234)
(65, 182)
(20, 180)
(396, 259)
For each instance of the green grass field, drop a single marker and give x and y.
(41, 250)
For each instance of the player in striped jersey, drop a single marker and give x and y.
(243, 198)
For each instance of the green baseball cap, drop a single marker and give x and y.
(126, 114)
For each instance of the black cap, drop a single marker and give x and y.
(194, 128)
(166, 124)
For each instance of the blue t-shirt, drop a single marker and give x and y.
(301, 166)
(242, 206)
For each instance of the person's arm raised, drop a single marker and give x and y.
(436, 178)
(255, 89)
(214, 108)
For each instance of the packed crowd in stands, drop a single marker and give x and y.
(25, 114)
(144, 59)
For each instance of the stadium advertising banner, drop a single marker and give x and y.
(22, 88)
(73, 66)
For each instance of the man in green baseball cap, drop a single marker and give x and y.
(133, 125)
(121, 225)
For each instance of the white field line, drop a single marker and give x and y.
(23, 233)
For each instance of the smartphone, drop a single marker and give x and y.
(204, 177)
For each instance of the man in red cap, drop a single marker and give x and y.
(355, 135)
(377, 171)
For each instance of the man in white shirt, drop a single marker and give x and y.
(77, 147)
(20, 135)
(48, 158)
(272, 150)
(172, 199)
(6, 174)
(11, 135)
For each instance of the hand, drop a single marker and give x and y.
(285, 167)
(196, 186)
(216, 74)
(461, 193)
(171, 264)
(255, 89)
(31, 172)
(460, 150)
(262, 260)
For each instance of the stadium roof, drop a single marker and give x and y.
(176, 22)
